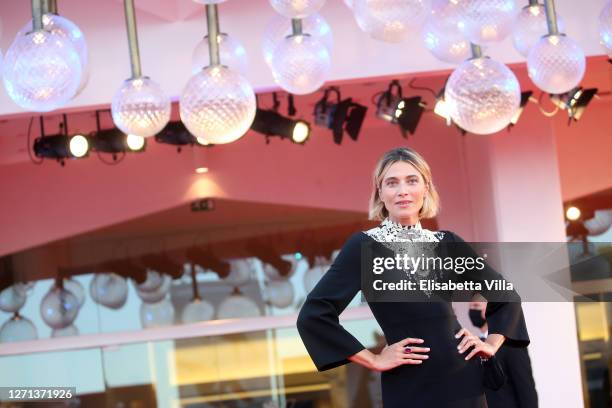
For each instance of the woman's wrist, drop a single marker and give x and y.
(365, 358)
(495, 340)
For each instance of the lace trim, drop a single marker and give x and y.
(390, 231)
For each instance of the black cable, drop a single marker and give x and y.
(29, 147)
(111, 163)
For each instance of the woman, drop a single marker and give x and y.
(429, 359)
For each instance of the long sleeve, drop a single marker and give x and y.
(503, 317)
(327, 342)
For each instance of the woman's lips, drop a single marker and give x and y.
(404, 203)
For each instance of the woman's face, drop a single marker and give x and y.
(402, 190)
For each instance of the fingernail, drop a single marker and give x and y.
(426, 356)
(427, 348)
(458, 347)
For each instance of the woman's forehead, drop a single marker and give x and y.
(401, 169)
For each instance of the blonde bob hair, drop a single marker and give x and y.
(431, 201)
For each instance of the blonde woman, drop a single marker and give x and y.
(429, 359)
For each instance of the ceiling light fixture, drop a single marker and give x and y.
(342, 116)
(272, 123)
(392, 107)
(574, 101)
(61, 146)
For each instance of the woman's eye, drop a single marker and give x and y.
(413, 181)
(391, 183)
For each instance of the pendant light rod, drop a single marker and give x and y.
(476, 50)
(296, 26)
(551, 17)
(132, 33)
(37, 13)
(194, 283)
(212, 21)
(533, 2)
(51, 6)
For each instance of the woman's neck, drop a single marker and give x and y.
(406, 221)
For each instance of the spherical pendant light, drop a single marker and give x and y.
(65, 28)
(140, 107)
(390, 20)
(487, 21)
(297, 8)
(198, 311)
(231, 52)
(482, 95)
(41, 71)
(75, 287)
(59, 308)
(157, 294)
(69, 331)
(218, 105)
(157, 314)
(556, 64)
(236, 306)
(18, 328)
(280, 293)
(109, 289)
(12, 299)
(530, 26)
(300, 64)
(605, 28)
(279, 27)
(447, 46)
(240, 272)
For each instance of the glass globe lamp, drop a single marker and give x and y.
(41, 71)
(67, 29)
(280, 293)
(300, 64)
(12, 299)
(59, 308)
(487, 21)
(279, 27)
(390, 20)
(297, 8)
(605, 28)
(530, 26)
(448, 46)
(140, 107)
(231, 52)
(556, 64)
(482, 95)
(218, 105)
(109, 290)
(157, 314)
(237, 306)
(240, 272)
(75, 287)
(157, 294)
(198, 310)
(69, 331)
(18, 328)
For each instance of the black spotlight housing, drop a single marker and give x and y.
(524, 99)
(392, 107)
(342, 116)
(112, 141)
(175, 133)
(56, 147)
(272, 123)
(574, 101)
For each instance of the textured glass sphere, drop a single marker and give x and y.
(66, 29)
(273, 273)
(237, 306)
(157, 314)
(109, 289)
(69, 331)
(198, 311)
(157, 294)
(279, 27)
(297, 8)
(482, 95)
(530, 26)
(73, 286)
(140, 107)
(605, 28)
(231, 53)
(17, 328)
(41, 71)
(556, 64)
(209, 1)
(600, 223)
(447, 46)
(12, 299)
(59, 308)
(447, 14)
(240, 272)
(487, 21)
(280, 293)
(218, 105)
(300, 64)
(390, 20)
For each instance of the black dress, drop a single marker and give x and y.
(446, 379)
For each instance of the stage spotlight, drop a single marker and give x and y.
(524, 99)
(115, 141)
(61, 147)
(392, 107)
(175, 133)
(574, 101)
(272, 123)
(441, 108)
(572, 213)
(342, 116)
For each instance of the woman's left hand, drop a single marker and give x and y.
(481, 348)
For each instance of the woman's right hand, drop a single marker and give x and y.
(402, 352)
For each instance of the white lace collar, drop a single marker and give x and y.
(391, 231)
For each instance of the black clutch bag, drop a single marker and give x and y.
(493, 374)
